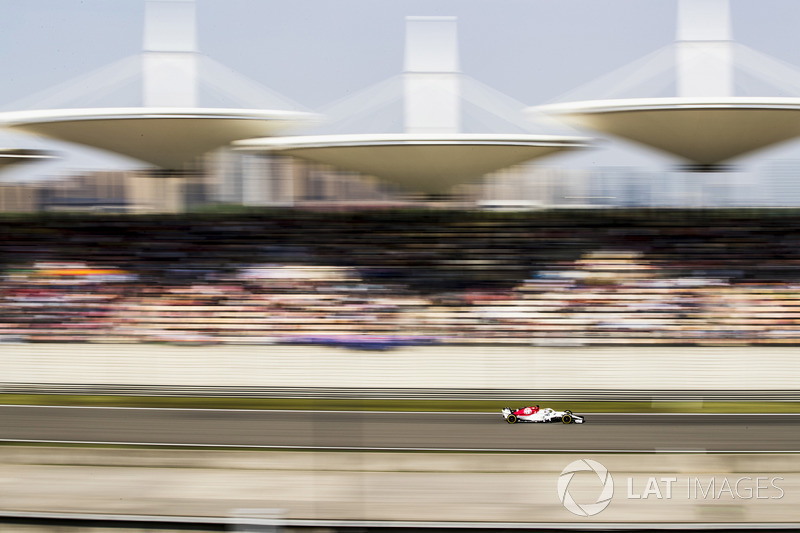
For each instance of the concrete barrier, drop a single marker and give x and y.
(437, 367)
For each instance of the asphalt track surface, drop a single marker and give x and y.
(364, 430)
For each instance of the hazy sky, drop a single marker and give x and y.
(318, 51)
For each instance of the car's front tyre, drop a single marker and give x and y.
(511, 419)
(567, 418)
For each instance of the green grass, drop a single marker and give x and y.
(396, 405)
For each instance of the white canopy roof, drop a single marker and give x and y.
(430, 163)
(165, 137)
(14, 156)
(706, 131)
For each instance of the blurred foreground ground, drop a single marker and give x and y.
(389, 486)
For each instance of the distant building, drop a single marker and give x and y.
(98, 191)
(781, 184)
(108, 192)
(278, 181)
(19, 198)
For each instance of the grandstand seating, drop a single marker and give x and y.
(400, 278)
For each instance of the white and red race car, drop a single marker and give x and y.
(535, 414)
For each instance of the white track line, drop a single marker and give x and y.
(388, 448)
(196, 409)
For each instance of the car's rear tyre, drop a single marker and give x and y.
(512, 419)
(567, 418)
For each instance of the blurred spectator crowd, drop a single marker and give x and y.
(382, 279)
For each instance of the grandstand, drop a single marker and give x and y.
(578, 277)
(282, 276)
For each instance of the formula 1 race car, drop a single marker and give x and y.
(534, 414)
